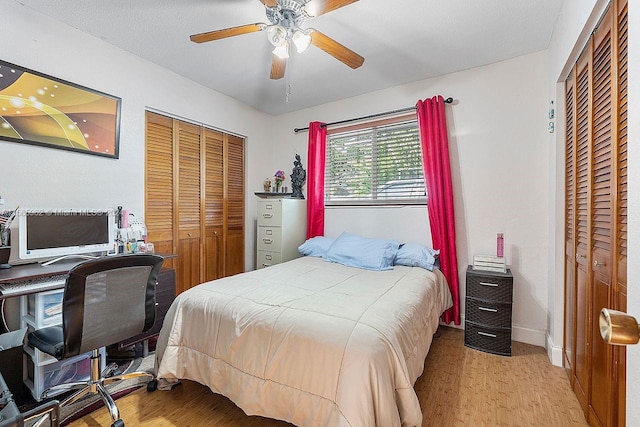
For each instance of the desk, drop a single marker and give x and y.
(36, 271)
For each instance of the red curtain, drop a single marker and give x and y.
(432, 124)
(315, 182)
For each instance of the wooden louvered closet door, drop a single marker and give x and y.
(187, 209)
(214, 204)
(582, 143)
(234, 196)
(570, 227)
(619, 130)
(602, 181)
(595, 218)
(194, 198)
(159, 188)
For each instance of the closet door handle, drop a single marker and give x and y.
(492, 310)
(578, 256)
(598, 264)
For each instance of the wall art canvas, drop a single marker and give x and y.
(39, 109)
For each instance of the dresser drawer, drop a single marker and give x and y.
(489, 313)
(491, 340)
(270, 239)
(490, 287)
(267, 259)
(269, 212)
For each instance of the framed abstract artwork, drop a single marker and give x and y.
(39, 109)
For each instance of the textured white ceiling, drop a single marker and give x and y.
(402, 41)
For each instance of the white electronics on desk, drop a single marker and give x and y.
(49, 233)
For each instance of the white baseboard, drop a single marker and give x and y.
(528, 335)
(554, 352)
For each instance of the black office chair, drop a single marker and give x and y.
(105, 301)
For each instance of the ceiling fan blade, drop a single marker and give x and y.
(269, 3)
(335, 49)
(325, 6)
(278, 65)
(227, 32)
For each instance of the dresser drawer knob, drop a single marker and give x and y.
(267, 215)
(495, 285)
(492, 310)
(486, 334)
(267, 241)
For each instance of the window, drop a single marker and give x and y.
(378, 164)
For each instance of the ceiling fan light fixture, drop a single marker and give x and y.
(282, 51)
(276, 34)
(302, 40)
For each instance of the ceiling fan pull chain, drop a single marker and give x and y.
(287, 80)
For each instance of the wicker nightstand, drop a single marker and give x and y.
(488, 311)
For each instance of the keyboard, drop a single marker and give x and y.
(23, 287)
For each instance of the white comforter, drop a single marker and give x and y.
(308, 341)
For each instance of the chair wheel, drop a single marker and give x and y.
(152, 385)
(118, 423)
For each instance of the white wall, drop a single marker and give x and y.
(499, 153)
(35, 177)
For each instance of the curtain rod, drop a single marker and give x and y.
(372, 116)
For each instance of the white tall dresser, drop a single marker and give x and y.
(282, 227)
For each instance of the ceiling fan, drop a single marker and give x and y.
(285, 30)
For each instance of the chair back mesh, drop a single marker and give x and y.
(106, 304)
(114, 306)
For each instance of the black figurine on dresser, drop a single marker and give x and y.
(487, 325)
(298, 176)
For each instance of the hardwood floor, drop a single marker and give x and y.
(459, 387)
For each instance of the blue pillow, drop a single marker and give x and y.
(363, 252)
(316, 246)
(415, 255)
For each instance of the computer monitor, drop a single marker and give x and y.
(45, 234)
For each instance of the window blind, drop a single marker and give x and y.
(375, 165)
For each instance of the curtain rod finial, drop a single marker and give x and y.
(449, 100)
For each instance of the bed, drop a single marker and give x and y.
(308, 341)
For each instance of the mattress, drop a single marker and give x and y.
(310, 342)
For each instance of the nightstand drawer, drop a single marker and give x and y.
(491, 340)
(490, 287)
(489, 313)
